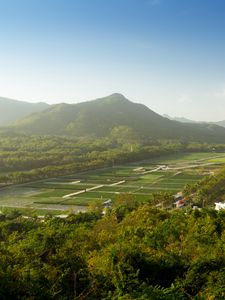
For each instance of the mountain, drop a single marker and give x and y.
(115, 113)
(180, 119)
(185, 120)
(13, 110)
(220, 123)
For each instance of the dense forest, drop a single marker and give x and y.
(135, 251)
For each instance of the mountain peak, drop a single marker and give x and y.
(117, 95)
(101, 117)
(114, 98)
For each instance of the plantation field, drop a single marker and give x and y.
(141, 179)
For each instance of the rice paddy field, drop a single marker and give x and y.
(141, 179)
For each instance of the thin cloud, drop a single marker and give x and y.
(220, 94)
(184, 99)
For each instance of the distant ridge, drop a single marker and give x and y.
(115, 114)
(180, 119)
(185, 120)
(14, 110)
(220, 123)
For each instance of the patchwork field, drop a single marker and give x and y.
(142, 179)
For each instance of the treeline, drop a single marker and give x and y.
(25, 158)
(134, 252)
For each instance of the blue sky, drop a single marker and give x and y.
(167, 54)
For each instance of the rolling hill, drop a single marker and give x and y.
(102, 116)
(14, 110)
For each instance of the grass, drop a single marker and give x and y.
(98, 195)
(48, 200)
(79, 201)
(52, 193)
(109, 189)
(217, 160)
(32, 212)
(129, 189)
(60, 186)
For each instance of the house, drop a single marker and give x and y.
(180, 203)
(179, 200)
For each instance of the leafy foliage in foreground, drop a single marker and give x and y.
(145, 254)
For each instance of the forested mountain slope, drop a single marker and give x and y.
(115, 115)
(13, 110)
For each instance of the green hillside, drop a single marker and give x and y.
(115, 115)
(13, 110)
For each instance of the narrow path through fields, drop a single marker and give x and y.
(82, 191)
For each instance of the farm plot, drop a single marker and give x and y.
(219, 160)
(167, 174)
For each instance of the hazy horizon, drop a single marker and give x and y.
(168, 55)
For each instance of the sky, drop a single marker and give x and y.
(166, 54)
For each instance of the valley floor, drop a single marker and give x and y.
(77, 191)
